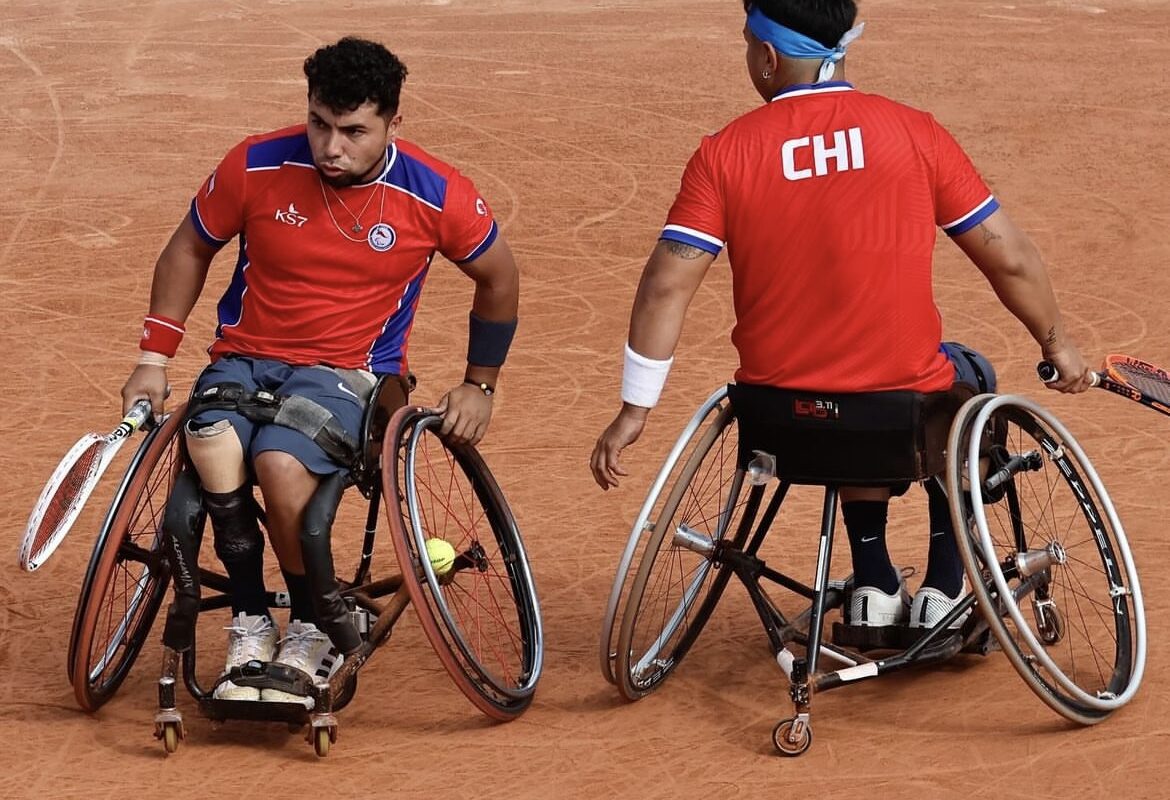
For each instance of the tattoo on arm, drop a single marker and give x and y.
(687, 251)
(988, 235)
(1050, 339)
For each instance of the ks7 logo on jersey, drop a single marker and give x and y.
(291, 216)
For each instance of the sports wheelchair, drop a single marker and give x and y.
(1052, 581)
(482, 616)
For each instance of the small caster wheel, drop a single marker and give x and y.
(788, 745)
(170, 736)
(322, 739)
(1049, 624)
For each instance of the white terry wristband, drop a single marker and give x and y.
(643, 378)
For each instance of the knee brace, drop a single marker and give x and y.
(233, 522)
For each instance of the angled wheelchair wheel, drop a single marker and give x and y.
(482, 617)
(127, 576)
(1047, 556)
(664, 483)
(675, 589)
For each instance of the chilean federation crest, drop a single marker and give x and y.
(381, 237)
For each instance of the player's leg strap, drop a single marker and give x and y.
(290, 411)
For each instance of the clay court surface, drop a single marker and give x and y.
(575, 119)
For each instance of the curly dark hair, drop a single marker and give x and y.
(354, 71)
(823, 20)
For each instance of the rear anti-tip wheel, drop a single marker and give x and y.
(792, 737)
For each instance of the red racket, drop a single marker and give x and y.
(1128, 377)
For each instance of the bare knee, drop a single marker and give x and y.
(217, 454)
(285, 482)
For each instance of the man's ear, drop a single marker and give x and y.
(392, 128)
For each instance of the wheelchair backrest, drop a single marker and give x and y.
(846, 439)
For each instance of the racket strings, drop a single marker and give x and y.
(1154, 384)
(70, 490)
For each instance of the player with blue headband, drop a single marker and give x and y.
(794, 44)
(828, 201)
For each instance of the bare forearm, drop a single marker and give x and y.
(1028, 296)
(1012, 265)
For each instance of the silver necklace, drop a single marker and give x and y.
(357, 225)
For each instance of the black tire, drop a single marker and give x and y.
(1048, 538)
(675, 589)
(482, 617)
(128, 575)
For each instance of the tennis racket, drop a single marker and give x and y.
(1128, 377)
(70, 485)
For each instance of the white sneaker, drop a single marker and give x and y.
(872, 606)
(931, 605)
(310, 651)
(250, 638)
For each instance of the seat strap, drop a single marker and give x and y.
(289, 411)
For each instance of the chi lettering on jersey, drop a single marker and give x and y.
(290, 216)
(819, 155)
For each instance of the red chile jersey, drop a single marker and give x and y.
(308, 288)
(827, 200)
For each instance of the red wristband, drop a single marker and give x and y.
(161, 335)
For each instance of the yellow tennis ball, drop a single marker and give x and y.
(441, 555)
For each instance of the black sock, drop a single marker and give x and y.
(944, 569)
(865, 522)
(300, 598)
(240, 546)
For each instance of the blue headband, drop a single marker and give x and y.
(796, 45)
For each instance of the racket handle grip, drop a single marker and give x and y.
(1048, 373)
(138, 414)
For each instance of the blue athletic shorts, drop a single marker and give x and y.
(319, 384)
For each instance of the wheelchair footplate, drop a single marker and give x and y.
(865, 638)
(261, 675)
(869, 638)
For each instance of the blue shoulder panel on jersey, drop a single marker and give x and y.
(483, 246)
(418, 180)
(201, 229)
(275, 152)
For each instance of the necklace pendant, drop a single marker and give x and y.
(357, 227)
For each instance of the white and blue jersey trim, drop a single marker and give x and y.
(972, 217)
(801, 89)
(201, 229)
(481, 248)
(684, 235)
